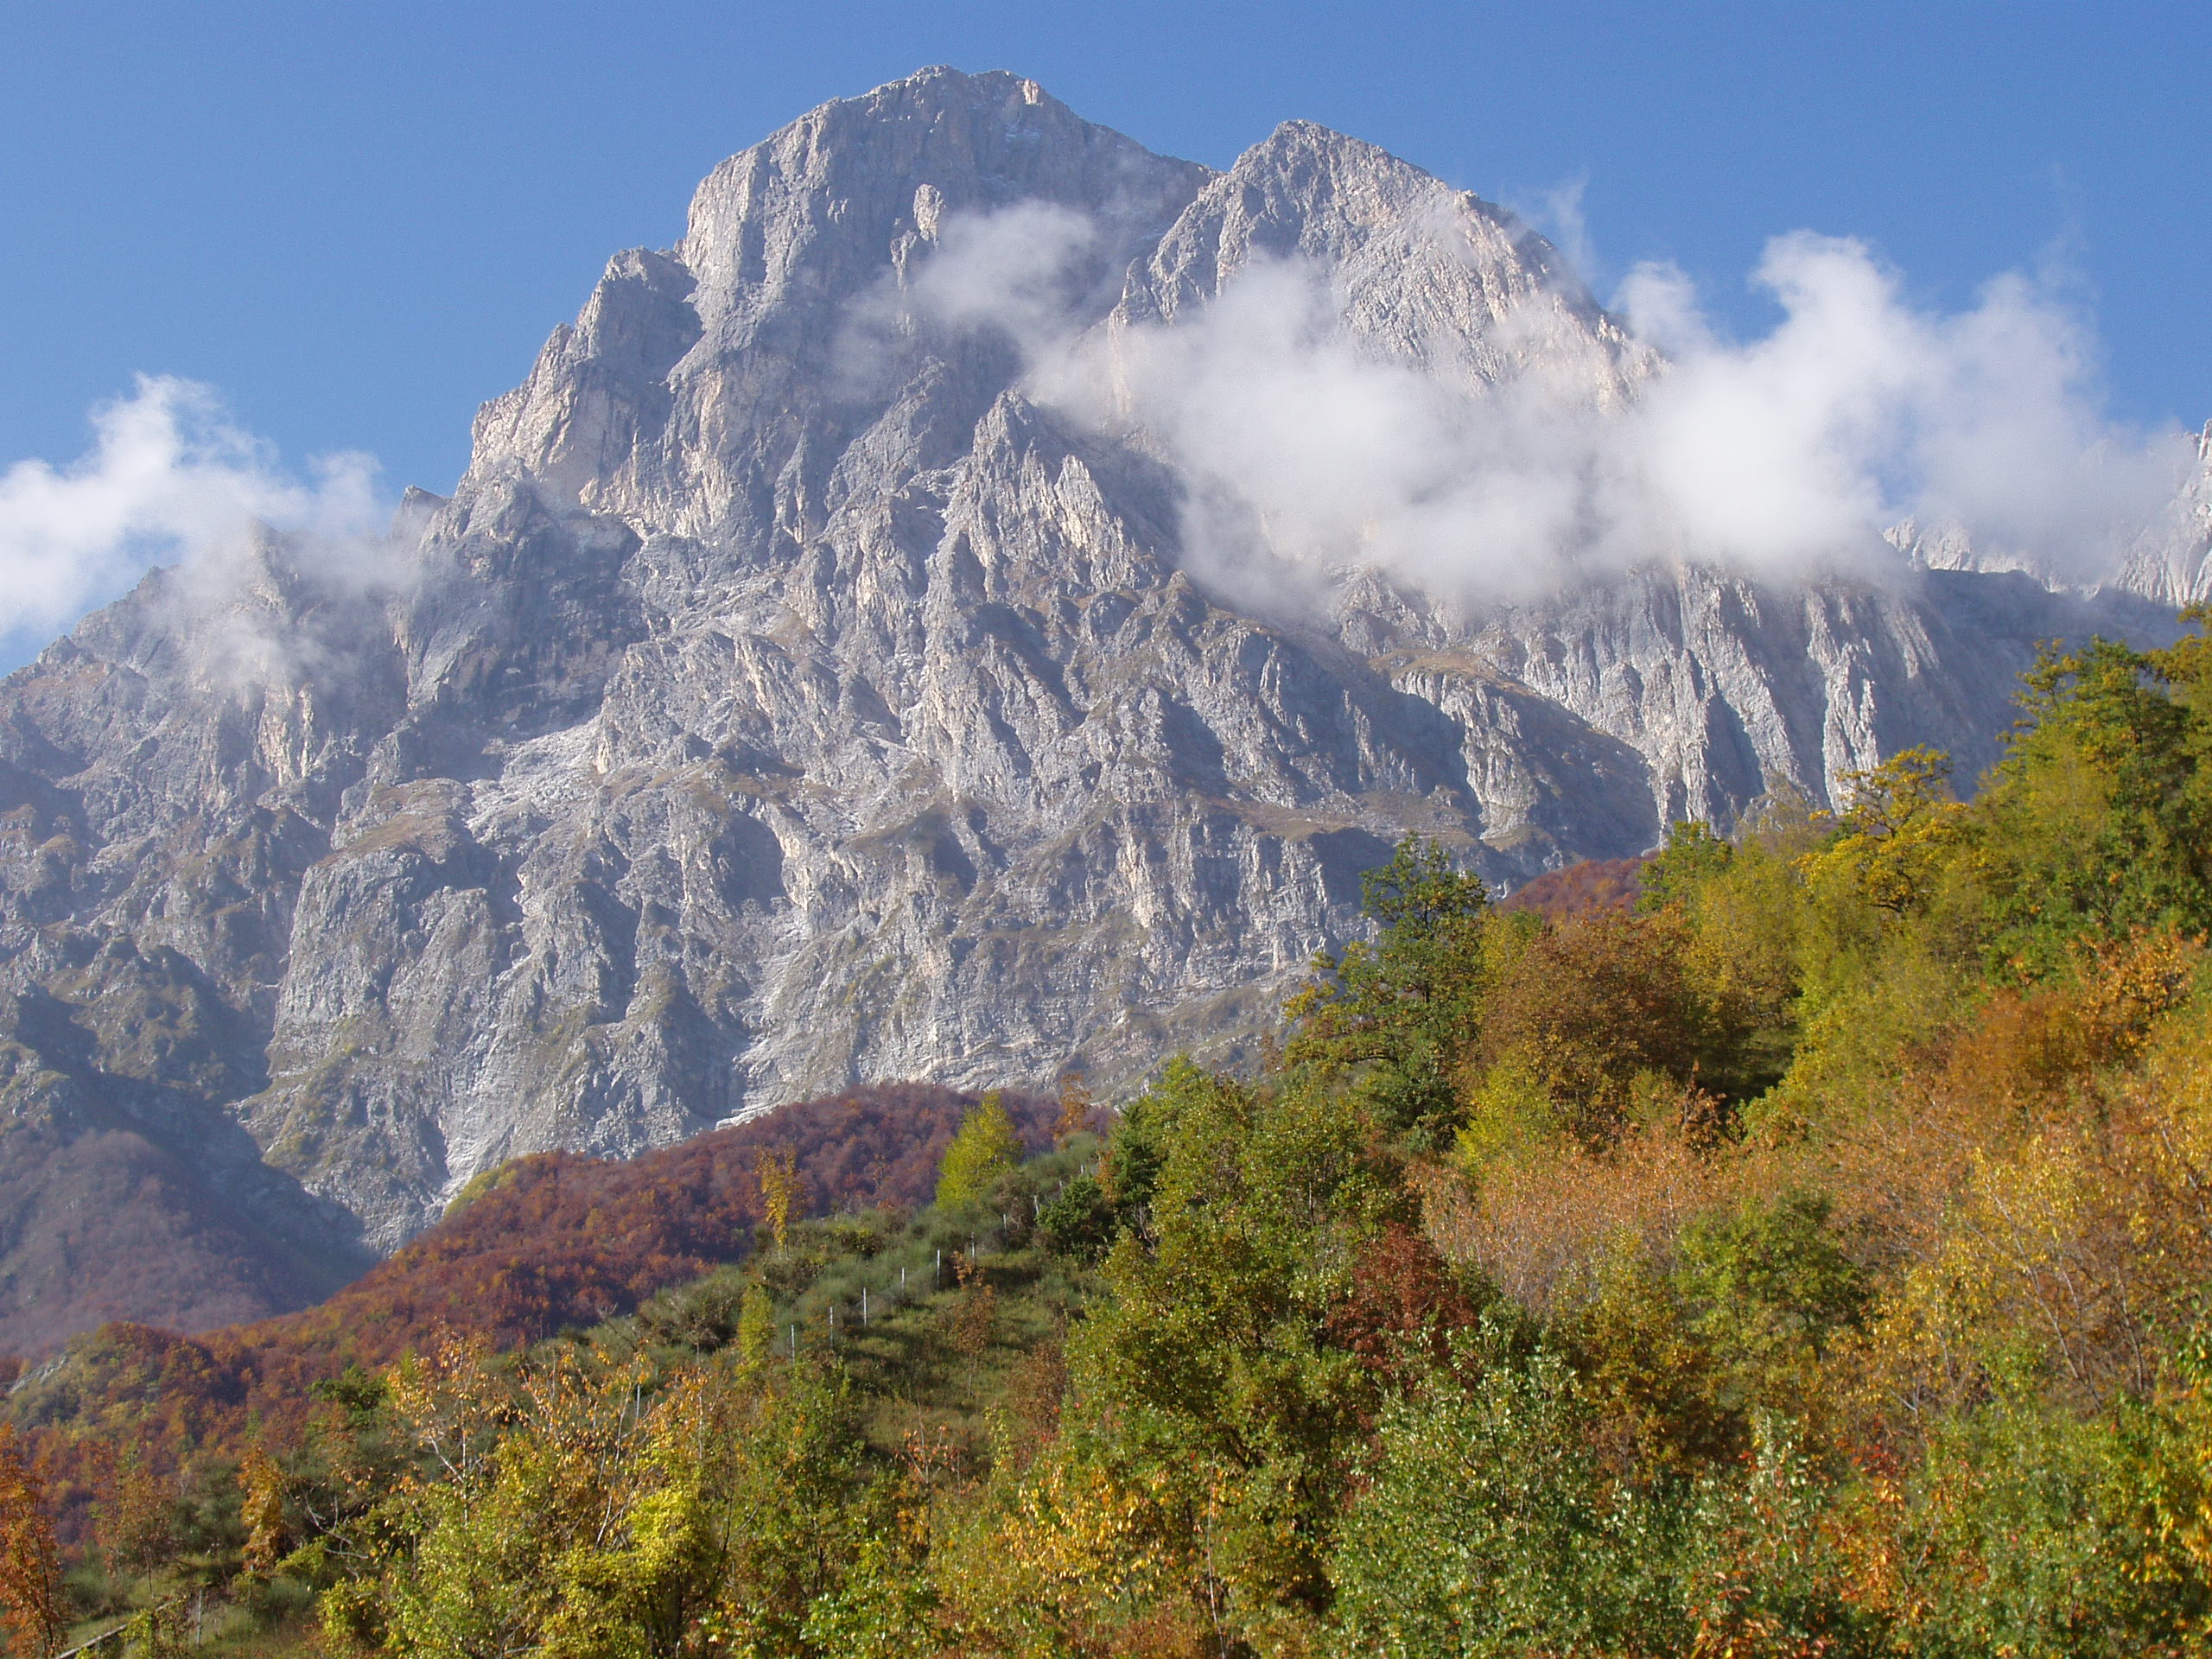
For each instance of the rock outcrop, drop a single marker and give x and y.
(789, 695)
(2172, 561)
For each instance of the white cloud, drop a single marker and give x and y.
(1019, 269)
(1780, 456)
(1302, 451)
(169, 479)
(1857, 411)
(1019, 273)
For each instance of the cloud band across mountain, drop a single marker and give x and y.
(1305, 447)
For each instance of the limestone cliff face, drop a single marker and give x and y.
(789, 695)
(2172, 559)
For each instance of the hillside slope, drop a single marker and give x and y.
(548, 1242)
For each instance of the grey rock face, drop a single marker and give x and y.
(788, 695)
(2172, 561)
(1426, 276)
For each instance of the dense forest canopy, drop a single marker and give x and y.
(1807, 1259)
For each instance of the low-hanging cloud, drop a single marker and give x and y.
(1307, 451)
(1857, 411)
(169, 479)
(1019, 273)
(1018, 270)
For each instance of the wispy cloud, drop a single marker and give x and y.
(1558, 213)
(1781, 456)
(1019, 270)
(1859, 409)
(169, 478)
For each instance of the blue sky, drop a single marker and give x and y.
(359, 221)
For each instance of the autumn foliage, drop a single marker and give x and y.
(1594, 884)
(30, 1561)
(545, 1242)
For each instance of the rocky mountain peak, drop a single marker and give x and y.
(696, 380)
(795, 692)
(1426, 274)
(2172, 559)
(832, 195)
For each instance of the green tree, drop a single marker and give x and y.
(1402, 1008)
(1211, 1372)
(1078, 1222)
(1487, 1527)
(2035, 1544)
(2099, 818)
(1769, 1287)
(1693, 856)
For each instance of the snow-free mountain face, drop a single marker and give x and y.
(837, 666)
(2171, 561)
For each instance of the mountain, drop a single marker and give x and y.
(2172, 559)
(796, 692)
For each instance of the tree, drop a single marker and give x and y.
(565, 1509)
(30, 1566)
(986, 1147)
(1693, 854)
(1587, 1009)
(1771, 1287)
(777, 1174)
(1076, 1108)
(261, 1511)
(136, 1521)
(2099, 819)
(1402, 1008)
(1211, 1370)
(1079, 1222)
(1900, 831)
(756, 1324)
(1486, 1529)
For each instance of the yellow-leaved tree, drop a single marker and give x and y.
(986, 1147)
(777, 1174)
(261, 1511)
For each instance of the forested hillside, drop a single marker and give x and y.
(1808, 1258)
(546, 1243)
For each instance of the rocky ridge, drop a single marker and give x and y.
(788, 695)
(2172, 559)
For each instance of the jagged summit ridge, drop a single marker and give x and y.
(791, 693)
(691, 373)
(1427, 274)
(2172, 561)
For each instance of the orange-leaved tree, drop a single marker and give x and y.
(30, 1567)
